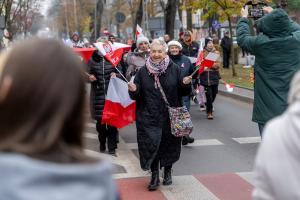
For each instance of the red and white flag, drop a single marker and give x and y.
(119, 109)
(112, 52)
(139, 31)
(229, 87)
(85, 53)
(208, 61)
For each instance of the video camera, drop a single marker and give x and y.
(255, 10)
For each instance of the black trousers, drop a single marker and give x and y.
(226, 57)
(211, 93)
(109, 133)
(155, 165)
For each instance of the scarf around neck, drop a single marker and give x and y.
(157, 69)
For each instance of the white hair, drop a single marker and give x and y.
(161, 43)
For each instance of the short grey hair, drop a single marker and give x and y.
(161, 43)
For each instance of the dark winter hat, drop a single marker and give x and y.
(208, 39)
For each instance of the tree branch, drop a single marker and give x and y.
(162, 4)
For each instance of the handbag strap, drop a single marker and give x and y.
(162, 92)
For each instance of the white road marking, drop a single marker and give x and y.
(186, 188)
(247, 140)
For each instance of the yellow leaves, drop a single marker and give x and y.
(223, 8)
(85, 24)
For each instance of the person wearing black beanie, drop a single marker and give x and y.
(209, 79)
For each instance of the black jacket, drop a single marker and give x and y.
(190, 50)
(101, 69)
(211, 76)
(152, 118)
(226, 44)
(184, 64)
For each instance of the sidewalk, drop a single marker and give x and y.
(233, 186)
(241, 94)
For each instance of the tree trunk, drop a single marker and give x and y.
(139, 16)
(8, 22)
(97, 19)
(170, 15)
(180, 11)
(232, 47)
(100, 8)
(189, 19)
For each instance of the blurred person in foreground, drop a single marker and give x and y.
(187, 69)
(277, 58)
(157, 146)
(41, 121)
(277, 164)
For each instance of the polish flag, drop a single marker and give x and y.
(229, 87)
(119, 109)
(112, 52)
(85, 53)
(139, 31)
(199, 62)
(208, 61)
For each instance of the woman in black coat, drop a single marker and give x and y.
(157, 146)
(100, 71)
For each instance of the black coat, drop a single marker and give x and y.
(190, 50)
(101, 69)
(226, 44)
(212, 76)
(184, 64)
(152, 118)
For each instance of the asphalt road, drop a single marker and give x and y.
(223, 145)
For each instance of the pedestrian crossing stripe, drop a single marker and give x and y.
(247, 140)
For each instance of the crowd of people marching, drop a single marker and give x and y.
(42, 109)
(150, 66)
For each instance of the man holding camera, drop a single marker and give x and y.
(277, 52)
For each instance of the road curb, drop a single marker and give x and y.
(236, 96)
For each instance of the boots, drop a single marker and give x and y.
(210, 116)
(187, 139)
(102, 147)
(154, 183)
(167, 177)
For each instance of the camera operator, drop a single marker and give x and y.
(277, 52)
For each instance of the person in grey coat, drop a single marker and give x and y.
(41, 139)
(137, 59)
